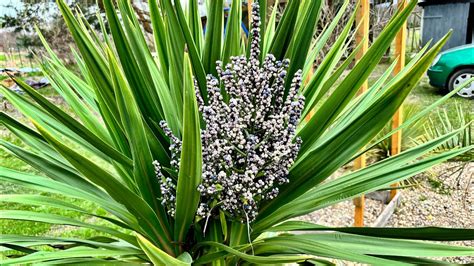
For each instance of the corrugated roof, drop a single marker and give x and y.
(441, 2)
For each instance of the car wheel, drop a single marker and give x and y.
(458, 78)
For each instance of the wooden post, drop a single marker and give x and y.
(306, 81)
(362, 36)
(249, 11)
(400, 50)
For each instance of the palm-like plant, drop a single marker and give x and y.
(442, 122)
(122, 95)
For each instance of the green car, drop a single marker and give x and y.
(452, 68)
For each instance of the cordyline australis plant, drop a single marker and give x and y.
(199, 156)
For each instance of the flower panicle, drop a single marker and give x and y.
(249, 142)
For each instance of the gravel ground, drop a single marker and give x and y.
(443, 196)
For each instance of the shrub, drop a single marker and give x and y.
(162, 143)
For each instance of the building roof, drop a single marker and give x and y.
(441, 2)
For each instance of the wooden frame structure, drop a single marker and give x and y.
(396, 139)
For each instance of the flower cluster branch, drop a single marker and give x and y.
(249, 141)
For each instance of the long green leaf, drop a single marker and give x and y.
(83, 90)
(357, 248)
(232, 33)
(334, 76)
(303, 37)
(187, 196)
(197, 62)
(295, 245)
(103, 99)
(194, 21)
(81, 109)
(418, 233)
(159, 35)
(285, 30)
(255, 259)
(44, 256)
(156, 255)
(384, 246)
(270, 30)
(213, 39)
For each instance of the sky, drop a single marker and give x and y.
(4, 10)
(8, 11)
